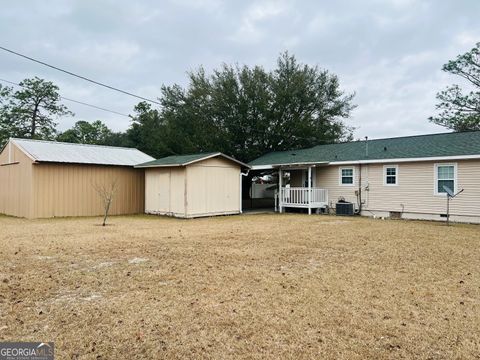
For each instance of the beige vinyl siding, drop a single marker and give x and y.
(15, 183)
(70, 190)
(213, 188)
(416, 188)
(328, 177)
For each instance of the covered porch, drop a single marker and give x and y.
(301, 192)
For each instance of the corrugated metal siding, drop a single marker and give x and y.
(15, 183)
(69, 190)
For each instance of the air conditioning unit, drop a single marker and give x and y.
(344, 209)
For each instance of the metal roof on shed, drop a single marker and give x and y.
(59, 152)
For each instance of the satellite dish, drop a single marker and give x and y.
(450, 195)
(448, 191)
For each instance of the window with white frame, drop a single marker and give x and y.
(390, 175)
(445, 175)
(346, 176)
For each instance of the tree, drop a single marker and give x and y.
(5, 125)
(147, 131)
(106, 192)
(30, 111)
(246, 112)
(84, 132)
(460, 111)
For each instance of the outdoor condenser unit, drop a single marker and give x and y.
(345, 209)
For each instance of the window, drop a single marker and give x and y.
(445, 175)
(390, 175)
(346, 176)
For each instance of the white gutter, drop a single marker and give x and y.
(433, 158)
(373, 161)
(273, 166)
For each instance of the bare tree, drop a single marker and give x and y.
(106, 192)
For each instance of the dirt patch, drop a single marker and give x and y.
(258, 286)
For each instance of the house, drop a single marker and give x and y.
(40, 179)
(400, 177)
(196, 185)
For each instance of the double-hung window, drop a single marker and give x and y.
(346, 176)
(390, 175)
(445, 176)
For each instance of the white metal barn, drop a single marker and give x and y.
(196, 185)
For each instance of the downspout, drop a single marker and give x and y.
(359, 196)
(241, 188)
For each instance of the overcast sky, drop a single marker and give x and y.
(389, 52)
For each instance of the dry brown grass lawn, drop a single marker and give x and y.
(253, 286)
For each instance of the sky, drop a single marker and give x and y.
(389, 52)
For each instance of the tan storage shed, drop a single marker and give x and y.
(41, 179)
(190, 186)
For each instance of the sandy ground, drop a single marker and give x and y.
(253, 286)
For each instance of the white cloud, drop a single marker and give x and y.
(390, 52)
(250, 30)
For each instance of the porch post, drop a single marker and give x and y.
(280, 200)
(309, 190)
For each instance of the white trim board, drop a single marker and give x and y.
(373, 161)
(435, 178)
(388, 166)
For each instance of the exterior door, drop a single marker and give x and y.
(305, 177)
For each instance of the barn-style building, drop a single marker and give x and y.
(40, 179)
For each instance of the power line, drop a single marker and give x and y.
(80, 76)
(75, 101)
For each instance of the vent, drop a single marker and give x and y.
(395, 215)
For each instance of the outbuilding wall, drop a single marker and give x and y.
(165, 191)
(205, 188)
(213, 188)
(42, 190)
(61, 190)
(16, 183)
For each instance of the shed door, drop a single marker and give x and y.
(163, 190)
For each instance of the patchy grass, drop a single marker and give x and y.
(253, 286)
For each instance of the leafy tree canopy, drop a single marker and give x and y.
(460, 110)
(30, 111)
(246, 112)
(84, 132)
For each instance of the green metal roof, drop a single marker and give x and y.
(420, 146)
(183, 160)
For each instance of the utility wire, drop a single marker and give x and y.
(74, 101)
(80, 76)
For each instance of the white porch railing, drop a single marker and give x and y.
(303, 197)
